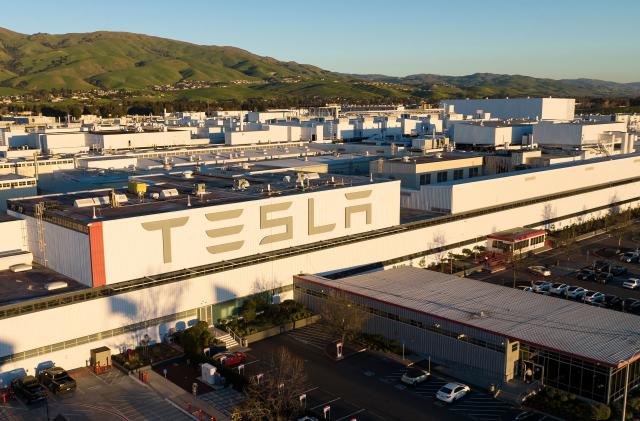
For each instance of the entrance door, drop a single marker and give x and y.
(532, 372)
(205, 314)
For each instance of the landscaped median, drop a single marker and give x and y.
(143, 357)
(260, 320)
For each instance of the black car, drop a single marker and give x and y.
(618, 270)
(628, 303)
(57, 380)
(634, 308)
(613, 302)
(601, 265)
(604, 277)
(29, 389)
(586, 275)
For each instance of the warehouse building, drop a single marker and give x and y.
(490, 334)
(520, 108)
(493, 133)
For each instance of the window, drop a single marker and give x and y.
(537, 240)
(458, 174)
(442, 177)
(474, 172)
(425, 179)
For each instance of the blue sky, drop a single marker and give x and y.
(556, 39)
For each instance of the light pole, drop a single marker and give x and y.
(626, 391)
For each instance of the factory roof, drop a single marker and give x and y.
(516, 234)
(219, 189)
(597, 334)
(18, 286)
(428, 159)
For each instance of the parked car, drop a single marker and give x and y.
(576, 293)
(415, 376)
(631, 283)
(630, 257)
(57, 380)
(628, 303)
(586, 275)
(634, 308)
(540, 286)
(29, 389)
(604, 277)
(613, 302)
(451, 392)
(539, 270)
(528, 289)
(618, 270)
(558, 288)
(230, 359)
(594, 297)
(601, 265)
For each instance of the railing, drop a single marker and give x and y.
(239, 339)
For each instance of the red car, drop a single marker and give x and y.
(230, 359)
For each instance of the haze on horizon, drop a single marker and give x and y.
(551, 39)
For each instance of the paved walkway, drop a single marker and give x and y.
(180, 398)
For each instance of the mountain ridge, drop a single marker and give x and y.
(132, 61)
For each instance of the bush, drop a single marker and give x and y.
(257, 315)
(195, 339)
(566, 406)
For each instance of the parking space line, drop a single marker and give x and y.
(351, 415)
(326, 403)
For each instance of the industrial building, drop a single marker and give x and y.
(489, 334)
(417, 171)
(514, 108)
(493, 133)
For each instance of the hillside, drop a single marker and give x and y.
(120, 60)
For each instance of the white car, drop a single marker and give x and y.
(593, 297)
(558, 288)
(540, 270)
(540, 286)
(451, 392)
(576, 293)
(631, 283)
(414, 376)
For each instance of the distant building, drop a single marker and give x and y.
(520, 108)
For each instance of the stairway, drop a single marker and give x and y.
(226, 338)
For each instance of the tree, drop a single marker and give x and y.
(195, 339)
(344, 318)
(276, 394)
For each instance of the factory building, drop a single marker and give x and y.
(490, 334)
(493, 133)
(418, 171)
(579, 134)
(514, 108)
(619, 174)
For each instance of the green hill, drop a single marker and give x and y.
(120, 60)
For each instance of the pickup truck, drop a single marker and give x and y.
(57, 380)
(29, 389)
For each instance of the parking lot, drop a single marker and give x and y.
(110, 396)
(367, 386)
(565, 264)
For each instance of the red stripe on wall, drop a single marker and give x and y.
(97, 254)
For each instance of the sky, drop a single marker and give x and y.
(543, 38)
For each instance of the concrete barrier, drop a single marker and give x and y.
(276, 330)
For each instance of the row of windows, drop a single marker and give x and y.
(443, 176)
(435, 328)
(15, 184)
(95, 337)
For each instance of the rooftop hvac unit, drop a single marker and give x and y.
(200, 188)
(168, 193)
(55, 285)
(312, 176)
(187, 174)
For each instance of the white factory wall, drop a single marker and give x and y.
(145, 140)
(570, 134)
(527, 108)
(66, 251)
(111, 312)
(466, 133)
(494, 190)
(108, 162)
(56, 143)
(133, 252)
(11, 233)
